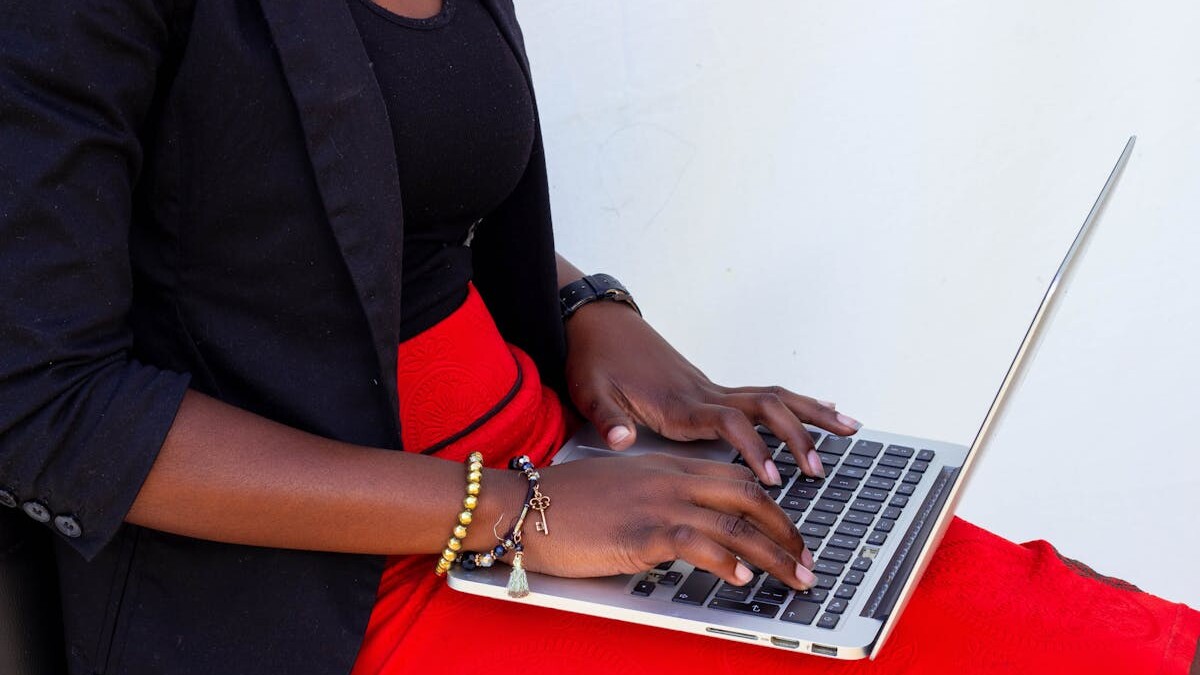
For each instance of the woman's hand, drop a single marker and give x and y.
(621, 372)
(623, 515)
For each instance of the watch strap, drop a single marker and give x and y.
(591, 288)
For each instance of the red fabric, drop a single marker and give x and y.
(985, 605)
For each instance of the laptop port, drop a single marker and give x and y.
(823, 650)
(731, 633)
(785, 642)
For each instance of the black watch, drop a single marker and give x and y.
(593, 287)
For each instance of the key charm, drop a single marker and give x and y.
(540, 503)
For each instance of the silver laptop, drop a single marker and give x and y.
(872, 524)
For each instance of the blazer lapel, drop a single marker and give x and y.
(350, 145)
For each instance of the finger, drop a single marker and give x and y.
(810, 410)
(712, 469)
(750, 502)
(769, 409)
(610, 418)
(734, 427)
(744, 539)
(689, 543)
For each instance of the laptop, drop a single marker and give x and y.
(872, 524)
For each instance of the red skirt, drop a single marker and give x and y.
(985, 605)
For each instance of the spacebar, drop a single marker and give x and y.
(887, 591)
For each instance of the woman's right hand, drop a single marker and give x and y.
(623, 515)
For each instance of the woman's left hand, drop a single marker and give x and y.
(621, 372)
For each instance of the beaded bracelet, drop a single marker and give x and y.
(470, 501)
(518, 581)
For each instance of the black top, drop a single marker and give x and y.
(462, 121)
(205, 195)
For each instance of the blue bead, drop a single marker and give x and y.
(468, 563)
(520, 547)
(498, 551)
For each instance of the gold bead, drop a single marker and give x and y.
(472, 488)
(475, 457)
(474, 477)
(443, 564)
(470, 501)
(449, 555)
(464, 518)
(454, 544)
(475, 466)
(460, 532)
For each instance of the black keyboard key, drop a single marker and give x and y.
(769, 438)
(834, 445)
(877, 538)
(861, 564)
(772, 492)
(920, 467)
(840, 483)
(786, 471)
(800, 612)
(664, 565)
(845, 591)
(854, 577)
(851, 530)
(848, 543)
(837, 606)
(826, 566)
(812, 595)
(898, 451)
(643, 588)
(867, 449)
(785, 458)
(697, 587)
(671, 579)
(885, 525)
(821, 518)
(873, 494)
(735, 593)
(881, 484)
(837, 495)
(894, 462)
(776, 584)
(770, 594)
(926, 455)
(802, 480)
(825, 581)
(860, 462)
(852, 472)
(803, 491)
(793, 514)
(899, 501)
(906, 489)
(828, 506)
(814, 530)
(764, 609)
(827, 620)
(860, 518)
(828, 459)
(866, 505)
(840, 555)
(794, 503)
(890, 513)
(886, 472)
(913, 477)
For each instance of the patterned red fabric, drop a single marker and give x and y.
(985, 605)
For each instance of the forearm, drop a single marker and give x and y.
(228, 475)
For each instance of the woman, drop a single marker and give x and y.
(251, 250)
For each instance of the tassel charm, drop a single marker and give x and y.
(518, 582)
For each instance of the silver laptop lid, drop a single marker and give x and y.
(1016, 371)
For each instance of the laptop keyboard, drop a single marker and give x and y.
(844, 519)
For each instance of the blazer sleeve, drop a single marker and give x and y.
(81, 422)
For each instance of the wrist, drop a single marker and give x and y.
(501, 495)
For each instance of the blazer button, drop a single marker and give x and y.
(36, 511)
(7, 499)
(68, 526)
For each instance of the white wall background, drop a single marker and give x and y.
(864, 201)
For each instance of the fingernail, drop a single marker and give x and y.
(806, 559)
(805, 576)
(849, 421)
(814, 460)
(828, 404)
(742, 573)
(618, 434)
(773, 476)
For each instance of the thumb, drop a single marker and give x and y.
(614, 424)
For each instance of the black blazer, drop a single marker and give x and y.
(204, 194)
